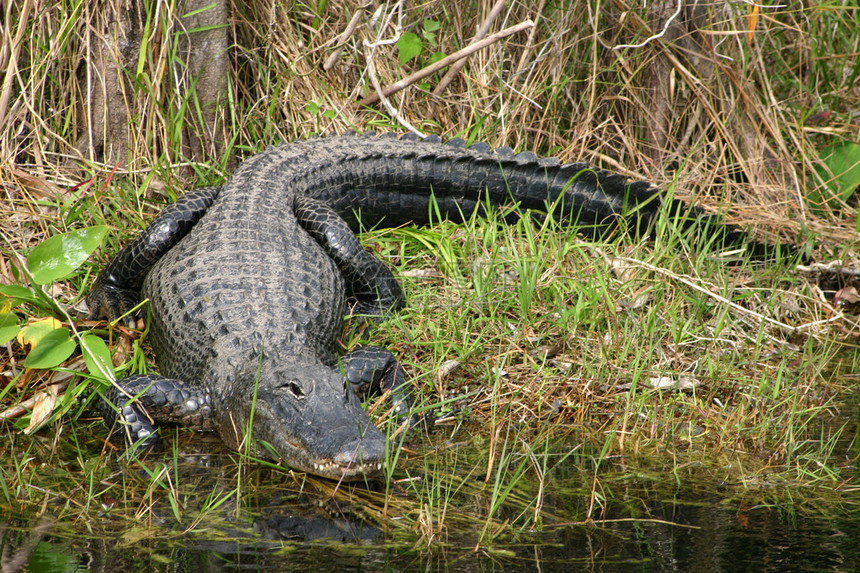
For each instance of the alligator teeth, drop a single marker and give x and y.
(333, 467)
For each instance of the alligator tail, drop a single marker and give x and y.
(381, 180)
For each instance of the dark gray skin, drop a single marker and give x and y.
(249, 284)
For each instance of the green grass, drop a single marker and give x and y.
(557, 337)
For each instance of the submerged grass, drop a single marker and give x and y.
(542, 359)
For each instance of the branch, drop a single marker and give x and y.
(479, 35)
(448, 60)
(371, 73)
(655, 36)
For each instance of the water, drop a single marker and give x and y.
(725, 538)
(647, 519)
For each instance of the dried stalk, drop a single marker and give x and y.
(479, 35)
(459, 55)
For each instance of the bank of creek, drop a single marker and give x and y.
(196, 507)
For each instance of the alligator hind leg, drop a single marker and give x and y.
(165, 399)
(370, 282)
(117, 288)
(371, 370)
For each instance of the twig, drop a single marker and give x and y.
(785, 327)
(341, 40)
(12, 52)
(371, 73)
(433, 68)
(758, 5)
(655, 36)
(524, 56)
(622, 520)
(479, 35)
(398, 29)
(836, 267)
(59, 382)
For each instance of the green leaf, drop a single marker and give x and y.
(58, 257)
(436, 57)
(33, 333)
(200, 10)
(408, 47)
(97, 357)
(19, 293)
(842, 175)
(9, 326)
(54, 348)
(430, 28)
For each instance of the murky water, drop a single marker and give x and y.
(649, 520)
(720, 538)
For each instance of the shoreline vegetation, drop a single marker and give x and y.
(537, 354)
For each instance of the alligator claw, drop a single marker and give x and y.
(109, 301)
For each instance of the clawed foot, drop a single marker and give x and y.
(108, 301)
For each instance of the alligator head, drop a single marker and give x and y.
(309, 419)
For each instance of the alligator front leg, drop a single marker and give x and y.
(370, 282)
(371, 370)
(133, 400)
(117, 289)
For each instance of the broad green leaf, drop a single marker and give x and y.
(436, 57)
(58, 257)
(842, 176)
(9, 327)
(430, 28)
(51, 350)
(19, 293)
(35, 331)
(97, 357)
(408, 47)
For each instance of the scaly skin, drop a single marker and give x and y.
(249, 283)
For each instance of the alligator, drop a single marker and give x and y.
(249, 284)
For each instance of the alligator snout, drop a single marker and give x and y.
(303, 419)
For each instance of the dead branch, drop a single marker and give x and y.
(446, 61)
(479, 35)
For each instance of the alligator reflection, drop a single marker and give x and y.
(721, 540)
(315, 528)
(227, 514)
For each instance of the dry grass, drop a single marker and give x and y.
(706, 109)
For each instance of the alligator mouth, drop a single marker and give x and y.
(296, 455)
(333, 470)
(321, 434)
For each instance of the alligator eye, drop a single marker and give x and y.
(295, 390)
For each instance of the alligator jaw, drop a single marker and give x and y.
(359, 461)
(338, 472)
(355, 463)
(311, 423)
